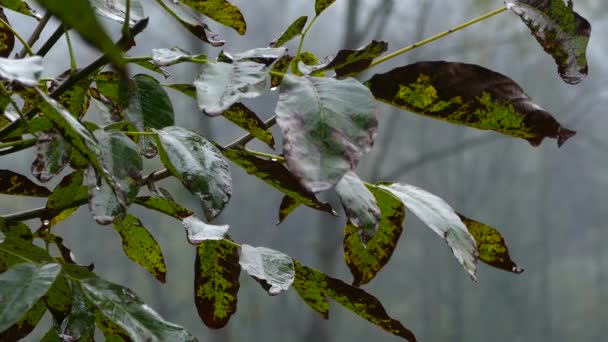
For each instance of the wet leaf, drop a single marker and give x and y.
(21, 286)
(359, 204)
(19, 6)
(365, 261)
(25, 325)
(216, 281)
(60, 204)
(280, 67)
(12, 183)
(245, 118)
(442, 219)
(164, 206)
(198, 231)
(111, 331)
(276, 269)
(52, 155)
(352, 62)
(175, 55)
(116, 10)
(59, 299)
(15, 230)
(220, 84)
(292, 31)
(7, 38)
(16, 250)
(79, 325)
(140, 246)
(26, 71)
(327, 125)
(469, 95)
(198, 165)
(562, 33)
(314, 287)
(491, 245)
(264, 56)
(221, 11)
(76, 99)
(51, 336)
(321, 5)
(190, 20)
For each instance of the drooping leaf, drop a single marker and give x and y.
(292, 31)
(491, 245)
(288, 205)
(7, 37)
(25, 325)
(442, 219)
(69, 191)
(26, 71)
(280, 68)
(245, 118)
(264, 56)
(216, 281)
(16, 230)
(198, 231)
(19, 6)
(52, 155)
(469, 95)
(359, 204)
(189, 20)
(198, 165)
(167, 57)
(276, 175)
(321, 5)
(117, 10)
(365, 261)
(164, 206)
(327, 125)
(140, 246)
(351, 62)
(221, 11)
(274, 268)
(21, 286)
(111, 331)
(562, 33)
(314, 287)
(12, 183)
(79, 325)
(220, 84)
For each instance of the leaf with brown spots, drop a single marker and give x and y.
(19, 6)
(321, 5)
(61, 203)
(292, 31)
(25, 325)
(52, 155)
(164, 206)
(221, 11)
(7, 38)
(12, 183)
(189, 20)
(352, 62)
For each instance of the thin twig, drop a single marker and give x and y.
(53, 39)
(36, 34)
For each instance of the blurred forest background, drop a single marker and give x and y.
(547, 202)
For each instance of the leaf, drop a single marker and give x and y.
(321, 5)
(221, 11)
(274, 268)
(292, 31)
(60, 203)
(15, 230)
(442, 219)
(51, 336)
(198, 165)
(21, 286)
(288, 205)
(186, 89)
(366, 260)
(164, 206)
(19, 6)
(16, 250)
(111, 331)
(79, 325)
(25, 325)
(276, 175)
(469, 95)
(12, 183)
(7, 37)
(220, 84)
(147, 64)
(352, 62)
(26, 71)
(280, 68)
(175, 55)
(314, 287)
(216, 281)
(327, 125)
(491, 245)
(79, 15)
(59, 300)
(117, 9)
(52, 155)
(562, 33)
(189, 20)
(140, 246)
(75, 99)
(264, 56)
(198, 231)
(107, 84)
(245, 118)
(359, 204)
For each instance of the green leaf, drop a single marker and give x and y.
(107, 83)
(221, 11)
(172, 56)
(327, 125)
(274, 269)
(292, 31)
(21, 286)
(280, 68)
(198, 165)
(12, 183)
(140, 246)
(190, 20)
(111, 332)
(314, 287)
(16, 250)
(562, 33)
(51, 336)
(321, 5)
(52, 155)
(15, 230)
(352, 62)
(198, 231)
(147, 64)
(79, 325)
(79, 15)
(186, 89)
(442, 219)
(26, 71)
(216, 281)
(288, 205)
(60, 204)
(117, 9)
(245, 118)
(164, 206)
(220, 84)
(359, 204)
(469, 95)
(7, 37)
(365, 261)
(491, 245)
(59, 300)
(19, 6)
(276, 175)
(25, 325)
(76, 99)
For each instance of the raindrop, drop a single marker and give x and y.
(46, 222)
(274, 159)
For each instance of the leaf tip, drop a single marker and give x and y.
(563, 134)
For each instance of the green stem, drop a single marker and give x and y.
(73, 65)
(435, 37)
(17, 143)
(126, 28)
(294, 66)
(267, 155)
(26, 46)
(134, 133)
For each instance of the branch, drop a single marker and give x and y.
(36, 34)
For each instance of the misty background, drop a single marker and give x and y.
(547, 202)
